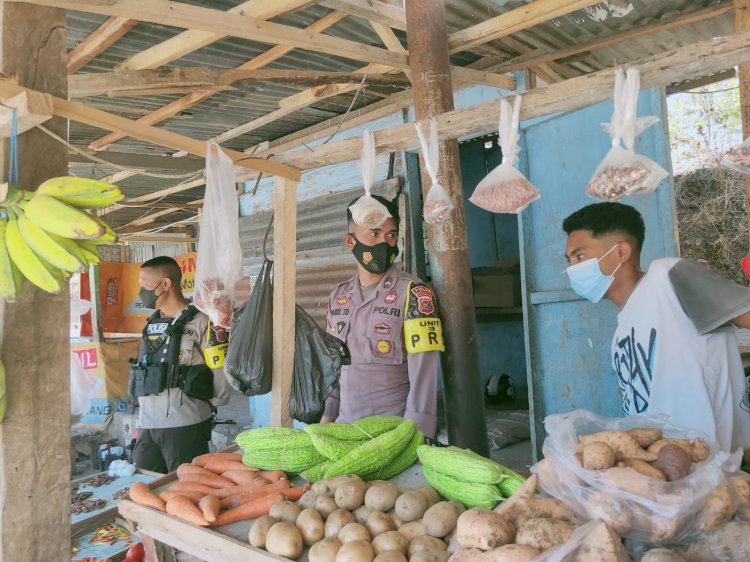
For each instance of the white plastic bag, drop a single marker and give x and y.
(738, 158)
(437, 204)
(623, 172)
(219, 264)
(633, 505)
(368, 212)
(505, 189)
(83, 387)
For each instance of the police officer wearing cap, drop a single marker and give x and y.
(178, 376)
(389, 321)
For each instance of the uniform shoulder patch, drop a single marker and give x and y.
(423, 329)
(217, 342)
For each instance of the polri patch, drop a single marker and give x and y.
(391, 297)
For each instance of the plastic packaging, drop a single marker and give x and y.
(83, 387)
(623, 172)
(368, 212)
(738, 158)
(219, 253)
(249, 362)
(592, 541)
(633, 505)
(505, 189)
(318, 357)
(437, 204)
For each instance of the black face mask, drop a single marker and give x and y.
(377, 258)
(149, 297)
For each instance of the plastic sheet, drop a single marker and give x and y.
(633, 505)
(368, 212)
(249, 360)
(505, 189)
(219, 253)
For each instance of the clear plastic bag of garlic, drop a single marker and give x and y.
(505, 189)
(368, 212)
(437, 204)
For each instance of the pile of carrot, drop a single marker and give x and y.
(218, 489)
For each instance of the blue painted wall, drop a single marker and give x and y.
(568, 338)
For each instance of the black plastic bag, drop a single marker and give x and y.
(249, 361)
(318, 357)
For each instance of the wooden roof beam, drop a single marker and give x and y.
(371, 10)
(177, 106)
(147, 162)
(99, 41)
(513, 21)
(194, 39)
(109, 121)
(178, 14)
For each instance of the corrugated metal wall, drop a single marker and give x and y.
(322, 260)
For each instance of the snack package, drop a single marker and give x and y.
(219, 264)
(738, 158)
(505, 189)
(437, 204)
(623, 172)
(368, 212)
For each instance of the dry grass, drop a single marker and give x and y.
(712, 218)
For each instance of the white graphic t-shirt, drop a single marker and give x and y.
(665, 365)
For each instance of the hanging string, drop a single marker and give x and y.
(13, 154)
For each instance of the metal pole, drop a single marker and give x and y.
(447, 243)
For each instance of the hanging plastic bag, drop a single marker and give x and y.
(623, 172)
(505, 189)
(437, 204)
(249, 360)
(635, 506)
(738, 158)
(219, 253)
(318, 357)
(83, 387)
(368, 212)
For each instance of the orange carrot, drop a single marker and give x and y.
(194, 497)
(219, 466)
(250, 510)
(210, 507)
(141, 494)
(238, 499)
(294, 494)
(202, 460)
(208, 479)
(242, 477)
(191, 487)
(272, 475)
(250, 489)
(182, 507)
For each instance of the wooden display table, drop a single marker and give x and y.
(228, 543)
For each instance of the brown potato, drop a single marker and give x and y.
(390, 540)
(357, 551)
(324, 551)
(440, 519)
(362, 514)
(598, 456)
(284, 539)
(311, 526)
(337, 521)
(430, 556)
(325, 506)
(426, 542)
(328, 486)
(430, 494)
(379, 523)
(391, 556)
(381, 496)
(259, 531)
(351, 495)
(411, 506)
(412, 530)
(354, 532)
(285, 511)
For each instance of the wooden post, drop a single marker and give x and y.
(449, 258)
(284, 287)
(742, 23)
(35, 435)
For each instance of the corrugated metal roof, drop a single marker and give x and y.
(252, 100)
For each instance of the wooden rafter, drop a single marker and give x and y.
(194, 98)
(178, 14)
(99, 41)
(102, 119)
(140, 161)
(536, 58)
(371, 10)
(188, 41)
(187, 78)
(513, 21)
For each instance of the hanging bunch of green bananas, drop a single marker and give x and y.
(47, 234)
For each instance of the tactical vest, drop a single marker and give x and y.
(157, 367)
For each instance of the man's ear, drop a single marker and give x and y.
(167, 283)
(624, 252)
(349, 241)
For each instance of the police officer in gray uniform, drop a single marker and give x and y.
(178, 376)
(389, 321)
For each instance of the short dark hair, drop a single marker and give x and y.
(168, 267)
(392, 207)
(607, 218)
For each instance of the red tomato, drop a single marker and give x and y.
(135, 553)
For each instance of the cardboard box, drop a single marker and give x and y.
(495, 287)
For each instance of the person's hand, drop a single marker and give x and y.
(327, 419)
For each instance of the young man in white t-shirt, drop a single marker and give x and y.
(674, 351)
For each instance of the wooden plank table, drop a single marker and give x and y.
(228, 543)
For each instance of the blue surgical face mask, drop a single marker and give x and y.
(588, 281)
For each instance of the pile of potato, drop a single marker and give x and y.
(344, 519)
